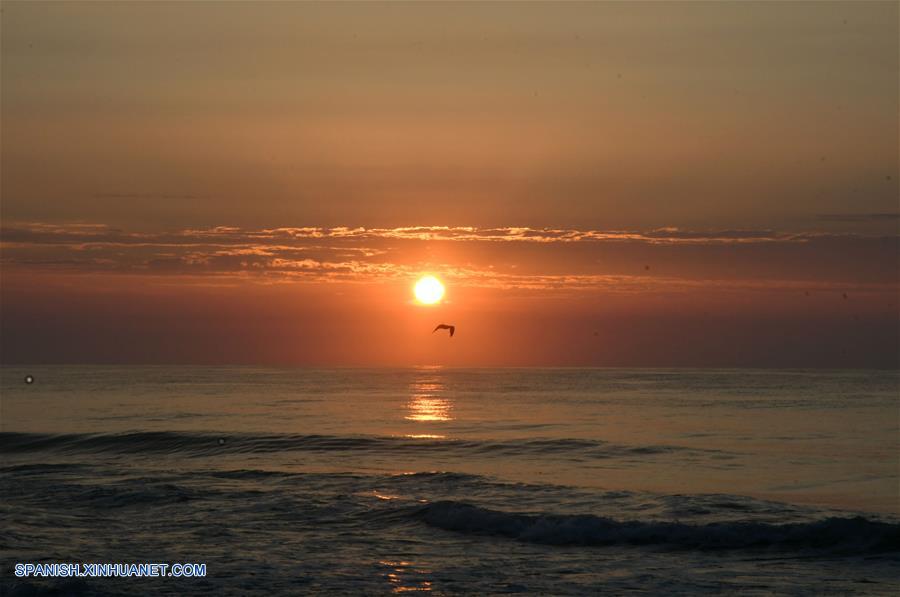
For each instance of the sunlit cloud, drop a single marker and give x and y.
(469, 256)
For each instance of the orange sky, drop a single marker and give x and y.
(685, 184)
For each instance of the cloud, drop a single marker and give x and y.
(98, 233)
(505, 257)
(866, 217)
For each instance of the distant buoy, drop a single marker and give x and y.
(29, 379)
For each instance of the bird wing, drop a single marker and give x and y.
(452, 330)
(439, 326)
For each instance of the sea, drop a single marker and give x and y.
(451, 481)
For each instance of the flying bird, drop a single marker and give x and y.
(444, 326)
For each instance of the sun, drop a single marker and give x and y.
(429, 290)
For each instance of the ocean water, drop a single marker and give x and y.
(479, 481)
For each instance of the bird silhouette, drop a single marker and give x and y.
(444, 326)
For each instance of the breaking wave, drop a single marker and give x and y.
(857, 535)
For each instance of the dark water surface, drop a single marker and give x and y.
(556, 481)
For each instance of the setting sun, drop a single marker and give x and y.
(429, 290)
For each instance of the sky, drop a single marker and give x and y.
(614, 184)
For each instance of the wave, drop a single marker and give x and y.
(856, 535)
(206, 444)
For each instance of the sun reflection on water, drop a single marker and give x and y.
(412, 580)
(426, 402)
(425, 408)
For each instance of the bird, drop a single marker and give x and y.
(444, 326)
